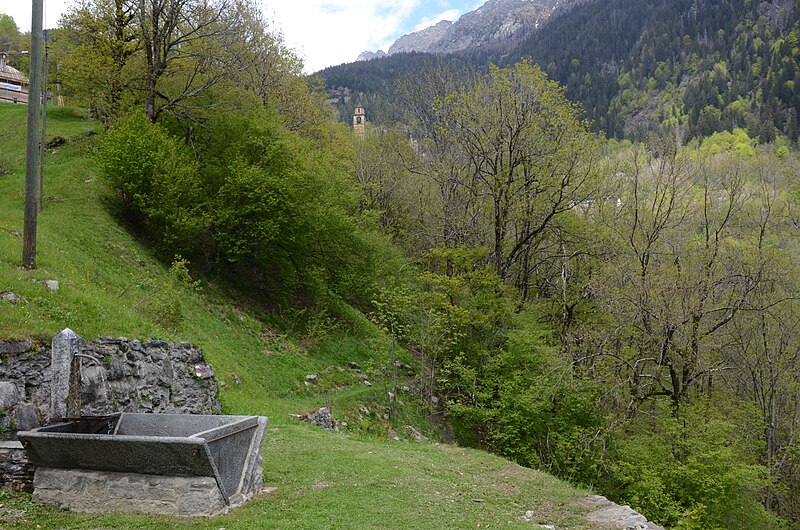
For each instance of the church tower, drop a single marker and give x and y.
(359, 120)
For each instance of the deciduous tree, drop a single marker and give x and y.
(509, 154)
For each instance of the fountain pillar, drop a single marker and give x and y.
(65, 384)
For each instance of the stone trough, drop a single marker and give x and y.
(179, 464)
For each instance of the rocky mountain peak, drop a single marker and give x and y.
(368, 55)
(422, 40)
(495, 22)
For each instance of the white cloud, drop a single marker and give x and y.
(323, 32)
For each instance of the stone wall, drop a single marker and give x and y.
(116, 375)
(23, 370)
(15, 472)
(152, 376)
(127, 492)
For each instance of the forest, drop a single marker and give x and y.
(619, 309)
(700, 65)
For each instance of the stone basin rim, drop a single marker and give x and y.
(198, 433)
(189, 440)
(235, 425)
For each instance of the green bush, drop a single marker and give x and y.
(255, 197)
(288, 206)
(544, 417)
(155, 181)
(506, 388)
(690, 472)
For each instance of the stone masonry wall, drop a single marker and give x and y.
(16, 473)
(116, 375)
(127, 492)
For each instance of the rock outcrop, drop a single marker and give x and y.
(421, 41)
(611, 516)
(495, 23)
(367, 55)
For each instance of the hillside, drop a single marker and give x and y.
(110, 284)
(701, 66)
(620, 313)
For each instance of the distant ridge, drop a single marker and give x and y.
(699, 66)
(366, 56)
(495, 22)
(423, 40)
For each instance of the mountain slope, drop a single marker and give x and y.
(423, 40)
(705, 65)
(636, 65)
(495, 23)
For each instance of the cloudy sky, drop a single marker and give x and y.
(323, 32)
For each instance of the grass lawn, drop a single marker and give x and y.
(111, 285)
(326, 480)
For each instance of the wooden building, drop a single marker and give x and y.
(13, 85)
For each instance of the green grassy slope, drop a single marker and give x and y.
(111, 285)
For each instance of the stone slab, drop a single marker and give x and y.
(9, 395)
(8, 347)
(104, 491)
(63, 347)
(148, 455)
(25, 417)
(607, 514)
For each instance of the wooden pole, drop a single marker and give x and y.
(32, 139)
(44, 130)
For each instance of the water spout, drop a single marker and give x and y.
(85, 356)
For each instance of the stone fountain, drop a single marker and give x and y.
(177, 464)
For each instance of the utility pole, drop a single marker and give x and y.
(44, 127)
(32, 140)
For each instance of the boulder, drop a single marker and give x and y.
(9, 395)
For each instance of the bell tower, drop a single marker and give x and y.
(359, 120)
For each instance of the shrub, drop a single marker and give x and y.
(155, 180)
(689, 472)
